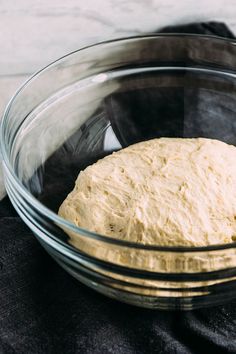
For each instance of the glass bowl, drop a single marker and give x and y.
(95, 101)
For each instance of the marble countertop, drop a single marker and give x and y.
(34, 33)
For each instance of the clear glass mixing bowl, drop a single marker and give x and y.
(95, 101)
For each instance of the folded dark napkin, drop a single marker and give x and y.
(44, 310)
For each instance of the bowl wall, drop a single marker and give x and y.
(99, 100)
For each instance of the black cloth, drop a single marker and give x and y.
(161, 105)
(44, 310)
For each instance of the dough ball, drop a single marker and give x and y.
(168, 191)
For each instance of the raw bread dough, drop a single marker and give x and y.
(168, 191)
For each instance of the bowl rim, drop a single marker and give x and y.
(65, 223)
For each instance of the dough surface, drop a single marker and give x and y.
(167, 191)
